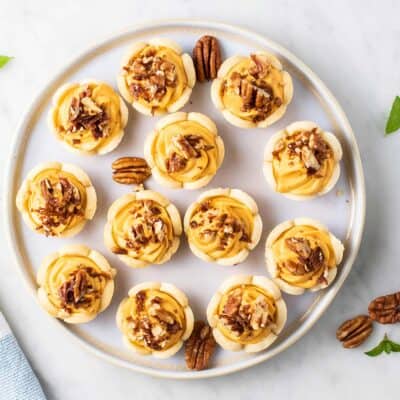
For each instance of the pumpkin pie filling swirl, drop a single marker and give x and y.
(184, 150)
(302, 161)
(246, 313)
(303, 256)
(143, 229)
(88, 117)
(222, 228)
(56, 199)
(75, 284)
(156, 77)
(155, 319)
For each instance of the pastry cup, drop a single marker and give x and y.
(267, 333)
(331, 246)
(174, 301)
(123, 216)
(185, 67)
(28, 192)
(84, 141)
(199, 169)
(299, 126)
(54, 272)
(248, 216)
(219, 84)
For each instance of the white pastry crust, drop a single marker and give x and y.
(30, 193)
(124, 217)
(219, 83)
(58, 269)
(329, 272)
(164, 143)
(82, 142)
(328, 137)
(250, 216)
(269, 289)
(128, 309)
(186, 64)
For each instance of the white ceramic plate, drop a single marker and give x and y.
(342, 210)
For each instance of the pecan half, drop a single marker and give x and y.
(130, 170)
(355, 331)
(207, 58)
(385, 309)
(199, 347)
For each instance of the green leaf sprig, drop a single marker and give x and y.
(386, 345)
(393, 123)
(4, 60)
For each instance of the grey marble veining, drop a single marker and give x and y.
(354, 48)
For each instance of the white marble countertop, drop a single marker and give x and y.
(354, 47)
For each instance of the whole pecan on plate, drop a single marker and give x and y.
(385, 309)
(130, 170)
(207, 58)
(200, 346)
(355, 331)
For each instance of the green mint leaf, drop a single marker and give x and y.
(395, 347)
(4, 60)
(386, 345)
(393, 123)
(376, 350)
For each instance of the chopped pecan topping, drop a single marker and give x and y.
(308, 259)
(175, 163)
(187, 146)
(62, 201)
(154, 325)
(240, 316)
(217, 225)
(255, 93)
(148, 76)
(74, 291)
(309, 146)
(85, 114)
(207, 58)
(200, 347)
(148, 226)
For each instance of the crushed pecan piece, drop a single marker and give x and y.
(200, 347)
(175, 163)
(308, 259)
(353, 332)
(207, 58)
(130, 170)
(85, 114)
(385, 309)
(74, 290)
(310, 147)
(149, 76)
(62, 201)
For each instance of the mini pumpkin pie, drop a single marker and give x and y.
(252, 91)
(184, 150)
(56, 199)
(156, 77)
(302, 255)
(88, 117)
(75, 284)
(223, 225)
(155, 319)
(302, 161)
(247, 313)
(143, 228)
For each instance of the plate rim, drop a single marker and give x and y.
(317, 312)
